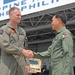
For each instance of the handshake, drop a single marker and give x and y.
(27, 53)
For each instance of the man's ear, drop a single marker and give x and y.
(59, 20)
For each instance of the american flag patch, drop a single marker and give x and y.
(65, 35)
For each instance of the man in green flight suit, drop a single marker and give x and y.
(61, 49)
(13, 42)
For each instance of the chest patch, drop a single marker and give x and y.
(1, 31)
(55, 39)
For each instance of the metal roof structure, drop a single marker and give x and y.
(38, 25)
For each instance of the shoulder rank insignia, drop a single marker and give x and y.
(1, 31)
(65, 35)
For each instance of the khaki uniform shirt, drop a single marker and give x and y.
(12, 41)
(60, 52)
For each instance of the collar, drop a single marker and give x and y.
(8, 24)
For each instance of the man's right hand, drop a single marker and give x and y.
(28, 53)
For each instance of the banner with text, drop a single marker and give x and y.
(29, 6)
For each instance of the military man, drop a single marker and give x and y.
(13, 42)
(61, 49)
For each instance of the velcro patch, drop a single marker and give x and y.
(1, 31)
(65, 35)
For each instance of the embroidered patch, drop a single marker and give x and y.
(65, 35)
(1, 31)
(12, 31)
(55, 39)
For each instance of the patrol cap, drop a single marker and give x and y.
(61, 16)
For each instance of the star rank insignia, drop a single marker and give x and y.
(65, 35)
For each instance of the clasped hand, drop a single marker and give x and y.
(28, 53)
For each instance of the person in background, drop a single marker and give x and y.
(61, 50)
(13, 42)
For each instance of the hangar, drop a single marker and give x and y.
(38, 27)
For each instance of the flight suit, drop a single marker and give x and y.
(60, 52)
(12, 42)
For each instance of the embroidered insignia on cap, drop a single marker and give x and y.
(1, 31)
(65, 35)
